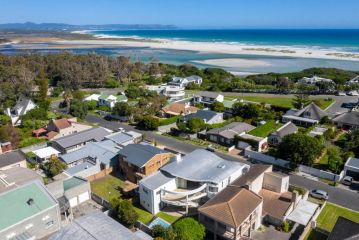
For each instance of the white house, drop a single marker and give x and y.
(188, 181)
(183, 82)
(92, 97)
(353, 81)
(207, 98)
(208, 116)
(174, 92)
(314, 80)
(21, 108)
(108, 100)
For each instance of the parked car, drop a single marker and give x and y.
(347, 180)
(353, 93)
(320, 194)
(341, 94)
(120, 129)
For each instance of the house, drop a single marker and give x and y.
(225, 135)
(77, 140)
(257, 196)
(31, 212)
(258, 143)
(124, 138)
(91, 159)
(353, 81)
(344, 229)
(348, 120)
(97, 226)
(138, 161)
(12, 159)
(21, 108)
(45, 154)
(178, 109)
(5, 147)
(92, 97)
(351, 168)
(174, 93)
(308, 116)
(188, 181)
(277, 136)
(232, 214)
(17, 176)
(70, 192)
(208, 116)
(314, 80)
(207, 98)
(228, 107)
(183, 82)
(110, 100)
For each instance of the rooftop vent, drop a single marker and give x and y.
(222, 166)
(30, 202)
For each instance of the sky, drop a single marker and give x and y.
(188, 13)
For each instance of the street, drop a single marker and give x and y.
(338, 196)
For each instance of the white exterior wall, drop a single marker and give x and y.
(216, 119)
(75, 127)
(220, 98)
(275, 183)
(257, 184)
(151, 200)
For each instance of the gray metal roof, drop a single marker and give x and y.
(18, 176)
(93, 134)
(94, 226)
(353, 162)
(232, 129)
(139, 154)
(10, 158)
(286, 129)
(202, 114)
(203, 166)
(208, 94)
(351, 118)
(103, 151)
(156, 180)
(119, 137)
(87, 168)
(311, 111)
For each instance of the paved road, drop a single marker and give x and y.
(339, 196)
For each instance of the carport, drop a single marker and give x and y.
(351, 168)
(303, 212)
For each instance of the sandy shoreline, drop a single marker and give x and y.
(217, 47)
(234, 62)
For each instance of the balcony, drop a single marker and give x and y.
(183, 197)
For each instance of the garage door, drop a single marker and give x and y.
(353, 174)
(73, 202)
(84, 197)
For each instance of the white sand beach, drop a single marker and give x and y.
(234, 62)
(214, 47)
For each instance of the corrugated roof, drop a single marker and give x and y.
(119, 137)
(46, 152)
(96, 134)
(202, 114)
(231, 206)
(351, 118)
(311, 111)
(353, 162)
(286, 129)
(203, 166)
(139, 154)
(232, 129)
(156, 180)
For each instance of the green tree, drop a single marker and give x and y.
(4, 119)
(112, 83)
(301, 100)
(150, 123)
(91, 105)
(78, 108)
(54, 167)
(133, 92)
(217, 106)
(122, 109)
(188, 229)
(35, 114)
(126, 213)
(299, 148)
(334, 159)
(195, 124)
(11, 134)
(43, 83)
(246, 111)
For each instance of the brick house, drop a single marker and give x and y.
(140, 160)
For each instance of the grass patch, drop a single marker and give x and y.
(143, 216)
(266, 129)
(329, 216)
(168, 218)
(168, 121)
(106, 187)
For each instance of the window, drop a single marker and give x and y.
(49, 224)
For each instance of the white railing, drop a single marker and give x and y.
(185, 193)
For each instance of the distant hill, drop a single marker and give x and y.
(69, 27)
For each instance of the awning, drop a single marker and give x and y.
(303, 213)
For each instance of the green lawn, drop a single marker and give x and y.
(169, 218)
(106, 187)
(266, 129)
(146, 217)
(329, 215)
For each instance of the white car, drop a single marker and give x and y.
(341, 94)
(347, 180)
(121, 129)
(320, 194)
(353, 93)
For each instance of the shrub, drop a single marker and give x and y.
(150, 123)
(188, 229)
(285, 226)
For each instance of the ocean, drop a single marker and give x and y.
(340, 40)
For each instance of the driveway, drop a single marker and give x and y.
(269, 233)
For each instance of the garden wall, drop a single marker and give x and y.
(266, 158)
(320, 173)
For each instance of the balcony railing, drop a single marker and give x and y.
(183, 197)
